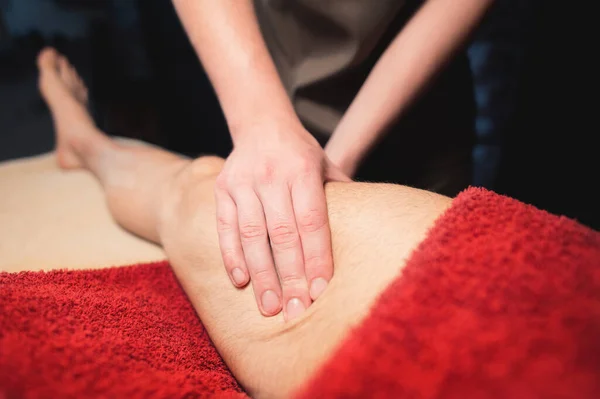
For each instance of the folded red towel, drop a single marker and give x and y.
(500, 301)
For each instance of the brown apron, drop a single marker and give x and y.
(314, 40)
(324, 49)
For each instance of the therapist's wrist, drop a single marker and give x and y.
(277, 126)
(260, 104)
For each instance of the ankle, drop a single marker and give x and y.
(90, 146)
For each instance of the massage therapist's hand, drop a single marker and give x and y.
(272, 217)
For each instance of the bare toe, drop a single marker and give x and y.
(47, 59)
(70, 77)
(63, 70)
(66, 96)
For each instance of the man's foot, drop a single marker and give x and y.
(66, 96)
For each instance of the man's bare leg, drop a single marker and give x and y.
(169, 200)
(130, 175)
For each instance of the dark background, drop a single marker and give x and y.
(532, 64)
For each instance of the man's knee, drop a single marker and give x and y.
(206, 166)
(189, 178)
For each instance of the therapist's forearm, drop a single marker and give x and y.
(227, 38)
(419, 51)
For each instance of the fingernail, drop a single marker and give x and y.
(317, 287)
(270, 302)
(294, 308)
(238, 276)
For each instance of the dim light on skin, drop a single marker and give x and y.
(169, 200)
(272, 148)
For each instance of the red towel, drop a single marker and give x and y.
(500, 301)
(116, 333)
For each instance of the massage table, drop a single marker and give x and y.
(51, 219)
(501, 300)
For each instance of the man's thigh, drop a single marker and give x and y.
(374, 230)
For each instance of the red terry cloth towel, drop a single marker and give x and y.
(501, 300)
(115, 333)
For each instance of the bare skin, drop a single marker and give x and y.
(410, 62)
(169, 200)
(258, 194)
(269, 194)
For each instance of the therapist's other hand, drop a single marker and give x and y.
(272, 217)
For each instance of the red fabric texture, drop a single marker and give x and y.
(500, 301)
(116, 333)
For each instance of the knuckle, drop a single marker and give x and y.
(239, 189)
(224, 224)
(306, 166)
(266, 173)
(251, 232)
(230, 258)
(292, 280)
(232, 183)
(221, 182)
(313, 220)
(262, 275)
(316, 261)
(283, 234)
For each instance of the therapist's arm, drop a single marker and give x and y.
(419, 51)
(271, 212)
(226, 36)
